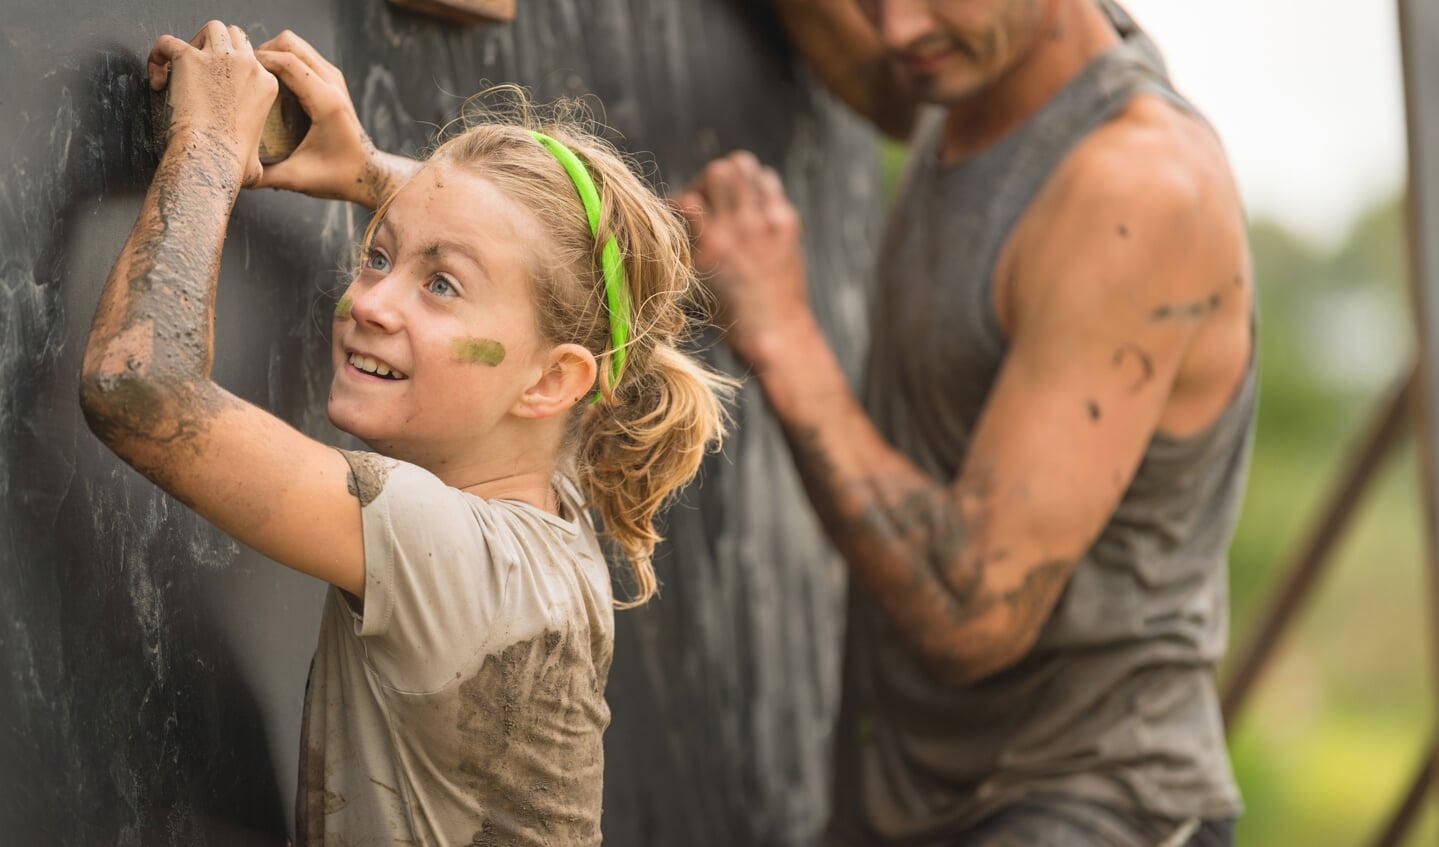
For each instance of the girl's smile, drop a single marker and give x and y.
(370, 366)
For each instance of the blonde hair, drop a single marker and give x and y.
(646, 436)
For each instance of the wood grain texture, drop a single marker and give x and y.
(463, 11)
(285, 127)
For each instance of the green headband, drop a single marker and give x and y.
(617, 292)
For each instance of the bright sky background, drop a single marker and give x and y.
(1306, 94)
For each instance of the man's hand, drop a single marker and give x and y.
(747, 247)
(336, 160)
(219, 95)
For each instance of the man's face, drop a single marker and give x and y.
(955, 48)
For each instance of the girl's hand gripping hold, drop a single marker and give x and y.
(219, 96)
(336, 160)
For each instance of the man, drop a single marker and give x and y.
(1035, 496)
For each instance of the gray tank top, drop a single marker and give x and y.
(1116, 702)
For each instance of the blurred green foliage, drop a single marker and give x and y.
(1336, 729)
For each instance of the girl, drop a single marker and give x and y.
(507, 349)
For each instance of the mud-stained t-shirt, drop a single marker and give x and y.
(463, 702)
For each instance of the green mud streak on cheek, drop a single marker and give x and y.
(481, 351)
(342, 308)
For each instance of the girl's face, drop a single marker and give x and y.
(437, 338)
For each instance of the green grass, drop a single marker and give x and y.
(1333, 733)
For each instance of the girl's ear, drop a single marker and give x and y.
(568, 378)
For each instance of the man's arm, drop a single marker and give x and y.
(967, 570)
(845, 52)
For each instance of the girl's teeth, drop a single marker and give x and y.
(373, 366)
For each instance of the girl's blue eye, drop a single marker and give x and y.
(376, 261)
(441, 286)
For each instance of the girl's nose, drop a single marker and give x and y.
(376, 304)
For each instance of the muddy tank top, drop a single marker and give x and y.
(1116, 702)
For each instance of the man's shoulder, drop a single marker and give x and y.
(1143, 207)
(1154, 155)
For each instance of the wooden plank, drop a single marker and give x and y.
(463, 11)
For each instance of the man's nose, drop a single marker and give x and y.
(902, 23)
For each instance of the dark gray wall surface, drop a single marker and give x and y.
(152, 670)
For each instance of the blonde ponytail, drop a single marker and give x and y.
(634, 456)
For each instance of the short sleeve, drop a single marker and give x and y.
(437, 564)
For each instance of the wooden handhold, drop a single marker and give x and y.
(285, 127)
(463, 11)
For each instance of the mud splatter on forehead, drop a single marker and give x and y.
(342, 308)
(368, 472)
(484, 351)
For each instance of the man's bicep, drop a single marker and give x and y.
(1119, 269)
(1074, 407)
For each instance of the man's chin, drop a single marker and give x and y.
(941, 91)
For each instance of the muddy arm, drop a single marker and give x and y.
(145, 386)
(1126, 269)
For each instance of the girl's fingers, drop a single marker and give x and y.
(167, 48)
(289, 42)
(212, 34)
(239, 39)
(296, 75)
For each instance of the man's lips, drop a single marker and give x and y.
(926, 62)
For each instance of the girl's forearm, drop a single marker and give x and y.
(384, 174)
(150, 345)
